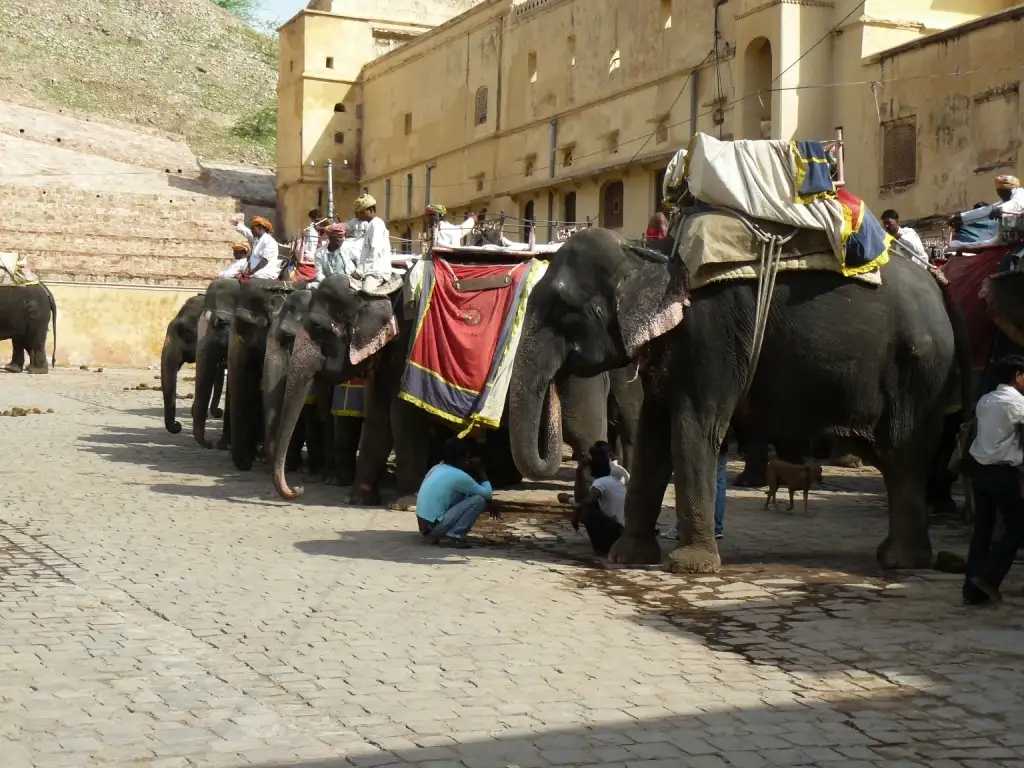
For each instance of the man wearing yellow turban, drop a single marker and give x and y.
(373, 267)
(450, 235)
(1011, 200)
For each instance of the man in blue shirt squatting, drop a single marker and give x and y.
(452, 496)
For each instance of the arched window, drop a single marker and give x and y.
(569, 208)
(339, 107)
(528, 219)
(611, 205)
(481, 105)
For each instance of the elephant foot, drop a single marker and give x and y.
(909, 556)
(848, 461)
(636, 550)
(944, 507)
(948, 562)
(12, 368)
(217, 413)
(369, 497)
(749, 478)
(173, 427)
(691, 559)
(403, 504)
(341, 479)
(37, 371)
(222, 444)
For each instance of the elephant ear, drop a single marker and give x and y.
(375, 326)
(650, 298)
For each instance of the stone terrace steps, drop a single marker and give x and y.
(87, 236)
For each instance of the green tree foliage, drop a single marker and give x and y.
(243, 9)
(260, 125)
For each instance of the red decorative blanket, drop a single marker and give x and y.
(966, 275)
(466, 314)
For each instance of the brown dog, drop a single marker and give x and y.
(796, 477)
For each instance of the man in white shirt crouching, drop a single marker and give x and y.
(998, 452)
(603, 510)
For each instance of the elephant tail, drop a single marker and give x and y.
(53, 309)
(961, 342)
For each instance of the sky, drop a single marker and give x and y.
(281, 10)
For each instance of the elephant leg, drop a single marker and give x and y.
(345, 434)
(412, 432)
(218, 388)
(905, 472)
(320, 440)
(755, 464)
(37, 357)
(938, 495)
(649, 478)
(17, 364)
(792, 451)
(625, 401)
(697, 433)
(496, 453)
(374, 449)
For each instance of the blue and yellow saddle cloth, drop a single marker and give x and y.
(348, 399)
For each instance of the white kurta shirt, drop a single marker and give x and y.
(911, 244)
(264, 248)
(451, 235)
(1000, 416)
(1014, 205)
(375, 258)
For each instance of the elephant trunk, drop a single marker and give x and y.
(275, 372)
(240, 384)
(207, 365)
(534, 410)
(305, 363)
(171, 359)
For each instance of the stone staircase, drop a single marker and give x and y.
(94, 237)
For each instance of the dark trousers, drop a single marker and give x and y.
(603, 530)
(996, 491)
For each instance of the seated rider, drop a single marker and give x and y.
(452, 496)
(264, 260)
(1011, 200)
(450, 235)
(373, 268)
(330, 257)
(303, 266)
(241, 253)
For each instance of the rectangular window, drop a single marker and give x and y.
(571, 40)
(330, 62)
(531, 66)
(567, 156)
(661, 135)
(339, 137)
(666, 14)
(899, 152)
(426, 191)
(529, 164)
(387, 199)
(613, 142)
(408, 194)
(408, 123)
(359, 111)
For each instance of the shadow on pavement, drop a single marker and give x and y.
(878, 721)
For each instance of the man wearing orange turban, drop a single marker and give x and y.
(264, 259)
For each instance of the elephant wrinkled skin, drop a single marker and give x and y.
(874, 366)
(180, 348)
(25, 312)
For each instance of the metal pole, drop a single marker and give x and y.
(330, 190)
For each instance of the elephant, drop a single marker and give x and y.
(259, 302)
(873, 365)
(180, 348)
(338, 318)
(212, 336)
(333, 440)
(25, 312)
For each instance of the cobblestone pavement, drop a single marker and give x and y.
(158, 608)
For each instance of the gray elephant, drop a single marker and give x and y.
(180, 348)
(332, 440)
(872, 365)
(212, 337)
(340, 318)
(259, 302)
(25, 312)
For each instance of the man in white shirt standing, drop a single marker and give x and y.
(374, 265)
(998, 452)
(906, 238)
(264, 260)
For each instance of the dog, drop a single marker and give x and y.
(796, 477)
